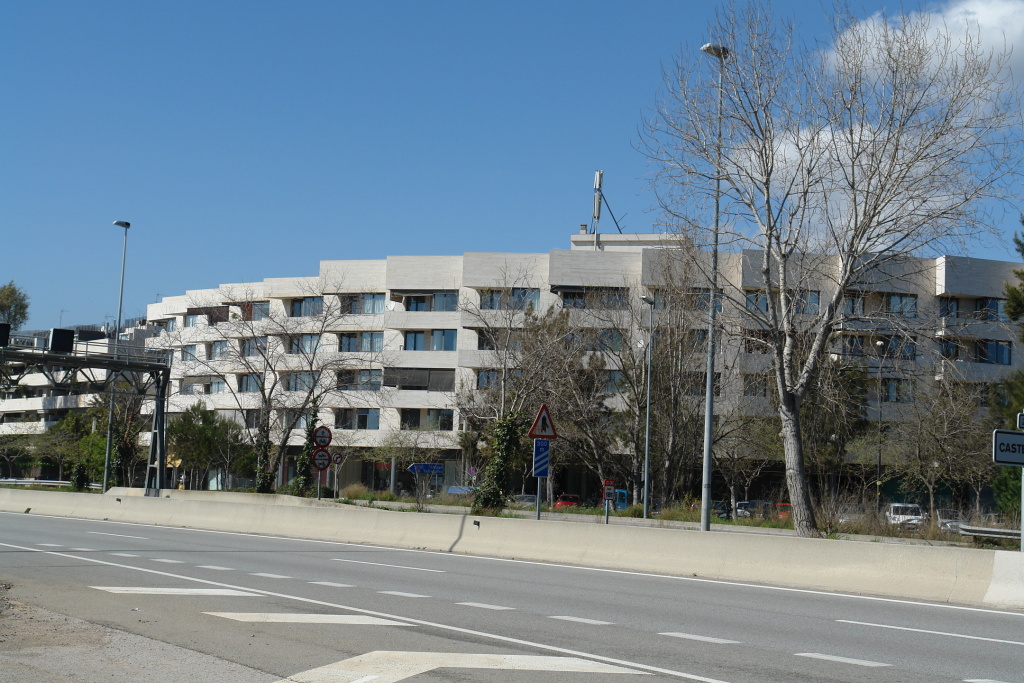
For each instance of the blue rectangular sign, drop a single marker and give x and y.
(541, 453)
(433, 468)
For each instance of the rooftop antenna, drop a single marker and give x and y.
(599, 198)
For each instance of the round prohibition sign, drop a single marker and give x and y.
(322, 436)
(321, 458)
(336, 458)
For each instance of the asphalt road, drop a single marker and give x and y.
(277, 608)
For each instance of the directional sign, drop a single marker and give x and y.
(1008, 447)
(321, 458)
(322, 436)
(541, 457)
(543, 427)
(434, 468)
(1020, 421)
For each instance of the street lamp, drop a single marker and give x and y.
(721, 53)
(117, 338)
(880, 346)
(647, 438)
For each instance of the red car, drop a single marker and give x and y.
(567, 500)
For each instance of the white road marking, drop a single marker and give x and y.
(100, 533)
(841, 660)
(123, 555)
(145, 590)
(403, 595)
(215, 567)
(284, 618)
(482, 605)
(980, 680)
(590, 656)
(166, 561)
(388, 667)
(581, 620)
(269, 576)
(393, 566)
(703, 639)
(50, 545)
(83, 550)
(934, 633)
(331, 584)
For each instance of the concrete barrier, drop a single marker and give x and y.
(942, 574)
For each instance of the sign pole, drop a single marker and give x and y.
(539, 480)
(542, 432)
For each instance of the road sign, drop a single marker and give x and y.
(541, 457)
(473, 471)
(322, 436)
(433, 468)
(337, 458)
(321, 458)
(1008, 447)
(1020, 421)
(543, 427)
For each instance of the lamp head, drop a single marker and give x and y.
(123, 224)
(717, 51)
(647, 300)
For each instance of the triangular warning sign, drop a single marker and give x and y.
(543, 427)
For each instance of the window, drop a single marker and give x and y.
(574, 300)
(996, 352)
(414, 341)
(485, 341)
(250, 383)
(697, 340)
(410, 418)
(306, 307)
(218, 386)
(898, 347)
(251, 418)
(485, 379)
(490, 299)
(420, 379)
(757, 301)
(853, 306)
(756, 341)
(525, 298)
(896, 391)
(695, 383)
(903, 305)
(255, 310)
(192, 320)
(853, 345)
(361, 341)
(990, 308)
(608, 298)
(357, 418)
(219, 350)
(188, 352)
(612, 382)
(949, 307)
(442, 340)
(609, 340)
(360, 380)
(303, 343)
(806, 302)
(294, 419)
(171, 324)
(755, 384)
(254, 346)
(949, 349)
(446, 301)
(441, 419)
(701, 298)
(362, 303)
(435, 301)
(300, 381)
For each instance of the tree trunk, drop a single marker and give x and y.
(796, 476)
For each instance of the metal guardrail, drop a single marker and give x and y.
(50, 483)
(989, 532)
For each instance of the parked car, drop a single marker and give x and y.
(525, 500)
(755, 508)
(851, 513)
(948, 519)
(567, 500)
(908, 515)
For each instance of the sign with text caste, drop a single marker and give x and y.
(1008, 447)
(541, 457)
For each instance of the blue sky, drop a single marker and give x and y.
(252, 139)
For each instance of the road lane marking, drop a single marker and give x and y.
(703, 639)
(403, 595)
(50, 545)
(269, 576)
(473, 633)
(101, 533)
(287, 618)
(389, 666)
(841, 660)
(145, 590)
(215, 568)
(83, 550)
(934, 633)
(166, 561)
(123, 554)
(483, 605)
(393, 566)
(581, 620)
(331, 584)
(981, 680)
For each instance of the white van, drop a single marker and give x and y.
(905, 514)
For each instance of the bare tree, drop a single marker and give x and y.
(832, 166)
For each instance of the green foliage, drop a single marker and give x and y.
(79, 476)
(506, 441)
(303, 480)
(1006, 487)
(13, 305)
(201, 439)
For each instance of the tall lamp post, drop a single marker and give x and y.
(647, 437)
(117, 339)
(721, 53)
(879, 346)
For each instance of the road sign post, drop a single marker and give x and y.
(609, 496)
(321, 459)
(542, 432)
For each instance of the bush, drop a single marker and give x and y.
(354, 491)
